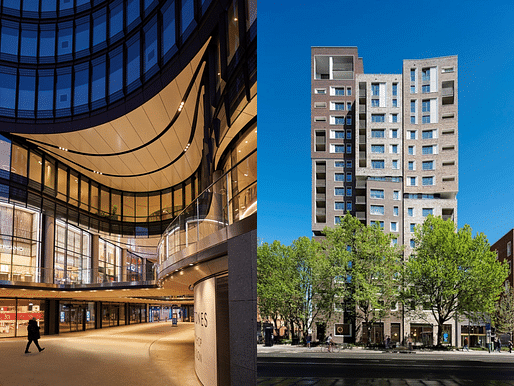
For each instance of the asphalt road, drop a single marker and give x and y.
(387, 369)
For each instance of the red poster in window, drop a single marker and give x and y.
(21, 315)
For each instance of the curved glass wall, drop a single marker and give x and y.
(77, 193)
(91, 57)
(217, 207)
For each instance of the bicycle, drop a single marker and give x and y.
(336, 348)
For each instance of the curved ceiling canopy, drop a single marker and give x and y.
(155, 146)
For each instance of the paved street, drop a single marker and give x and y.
(143, 354)
(286, 365)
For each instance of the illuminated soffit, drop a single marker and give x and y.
(152, 138)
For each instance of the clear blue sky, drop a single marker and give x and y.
(386, 32)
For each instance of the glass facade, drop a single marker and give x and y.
(114, 45)
(75, 191)
(76, 316)
(16, 313)
(19, 244)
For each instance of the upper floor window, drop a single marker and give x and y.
(377, 133)
(425, 74)
(376, 193)
(377, 117)
(375, 89)
(413, 75)
(427, 211)
(377, 164)
(395, 89)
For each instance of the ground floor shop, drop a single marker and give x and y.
(166, 313)
(66, 316)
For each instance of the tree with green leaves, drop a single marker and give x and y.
(273, 283)
(295, 283)
(372, 262)
(451, 272)
(504, 312)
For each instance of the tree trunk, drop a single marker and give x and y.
(439, 334)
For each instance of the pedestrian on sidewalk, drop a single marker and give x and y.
(329, 343)
(33, 335)
(499, 345)
(466, 347)
(309, 338)
(510, 346)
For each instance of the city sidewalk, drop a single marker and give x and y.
(287, 350)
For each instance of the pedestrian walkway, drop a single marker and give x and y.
(142, 354)
(302, 351)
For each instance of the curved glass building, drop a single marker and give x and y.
(128, 170)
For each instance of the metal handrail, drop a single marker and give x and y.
(213, 210)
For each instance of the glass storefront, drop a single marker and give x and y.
(137, 313)
(16, 313)
(422, 334)
(113, 314)
(476, 335)
(72, 255)
(76, 316)
(373, 333)
(19, 244)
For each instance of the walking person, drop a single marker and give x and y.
(510, 346)
(466, 347)
(499, 345)
(329, 343)
(33, 335)
(309, 338)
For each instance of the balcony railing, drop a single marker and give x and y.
(73, 276)
(229, 199)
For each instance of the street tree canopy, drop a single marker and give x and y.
(295, 283)
(372, 263)
(451, 272)
(504, 313)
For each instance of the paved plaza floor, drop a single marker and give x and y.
(142, 354)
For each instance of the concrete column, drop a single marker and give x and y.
(95, 257)
(48, 249)
(144, 270)
(242, 300)
(51, 317)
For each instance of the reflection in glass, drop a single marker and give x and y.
(35, 167)
(64, 39)
(49, 174)
(46, 90)
(28, 40)
(8, 87)
(99, 27)
(47, 41)
(9, 41)
(116, 19)
(233, 31)
(19, 160)
(150, 50)
(187, 14)
(27, 91)
(82, 35)
(63, 92)
(62, 183)
(168, 27)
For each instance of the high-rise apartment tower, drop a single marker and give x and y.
(384, 146)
